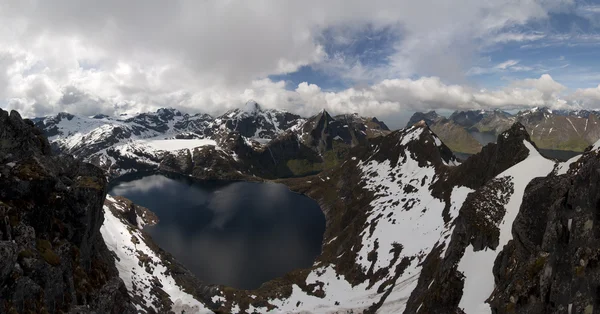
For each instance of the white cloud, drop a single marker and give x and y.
(113, 56)
(506, 66)
(587, 97)
(514, 37)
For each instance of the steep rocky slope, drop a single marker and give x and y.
(52, 256)
(551, 265)
(155, 282)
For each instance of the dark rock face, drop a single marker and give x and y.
(494, 158)
(180, 162)
(322, 130)
(53, 257)
(19, 138)
(552, 264)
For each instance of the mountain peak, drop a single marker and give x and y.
(323, 114)
(168, 111)
(516, 131)
(251, 106)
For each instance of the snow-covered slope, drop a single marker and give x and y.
(407, 224)
(144, 273)
(477, 266)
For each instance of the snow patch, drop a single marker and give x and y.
(177, 144)
(477, 266)
(118, 235)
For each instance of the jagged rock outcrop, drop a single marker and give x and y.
(551, 265)
(53, 257)
(494, 158)
(478, 224)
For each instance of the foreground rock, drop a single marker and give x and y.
(551, 265)
(52, 256)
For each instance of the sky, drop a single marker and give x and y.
(384, 58)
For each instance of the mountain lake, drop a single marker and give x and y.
(238, 234)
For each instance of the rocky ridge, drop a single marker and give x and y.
(53, 257)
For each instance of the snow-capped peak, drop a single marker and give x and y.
(251, 106)
(168, 111)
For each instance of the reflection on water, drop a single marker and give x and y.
(238, 234)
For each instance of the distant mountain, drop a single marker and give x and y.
(157, 139)
(429, 118)
(571, 130)
(451, 133)
(254, 122)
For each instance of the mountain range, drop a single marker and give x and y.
(467, 131)
(281, 143)
(409, 228)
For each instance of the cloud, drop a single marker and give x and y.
(209, 56)
(587, 97)
(507, 37)
(397, 95)
(506, 66)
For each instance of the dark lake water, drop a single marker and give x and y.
(239, 234)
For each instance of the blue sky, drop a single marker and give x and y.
(565, 45)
